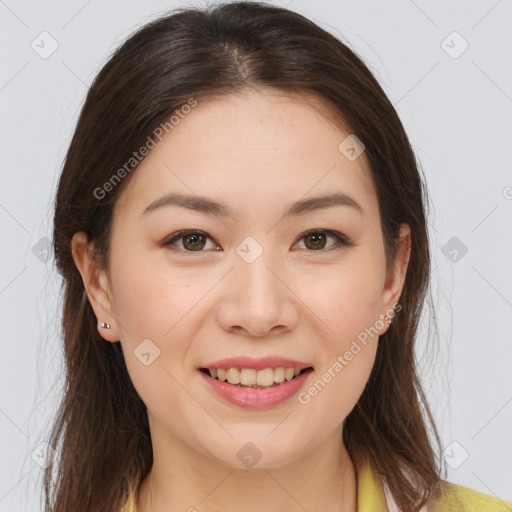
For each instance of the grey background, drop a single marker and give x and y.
(457, 112)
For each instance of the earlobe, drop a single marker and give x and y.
(97, 286)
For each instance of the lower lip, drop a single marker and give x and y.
(251, 398)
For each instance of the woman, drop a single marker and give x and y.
(241, 231)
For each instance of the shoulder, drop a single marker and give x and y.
(459, 498)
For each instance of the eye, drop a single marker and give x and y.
(316, 239)
(191, 241)
(196, 241)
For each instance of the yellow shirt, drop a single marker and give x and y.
(372, 497)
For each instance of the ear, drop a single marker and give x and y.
(97, 286)
(395, 278)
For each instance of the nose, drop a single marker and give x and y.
(257, 300)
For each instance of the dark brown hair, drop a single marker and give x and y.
(101, 432)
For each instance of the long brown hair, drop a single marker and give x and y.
(101, 431)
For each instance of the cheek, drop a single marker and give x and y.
(337, 387)
(345, 297)
(346, 300)
(349, 310)
(151, 297)
(156, 339)
(156, 305)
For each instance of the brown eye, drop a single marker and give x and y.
(315, 241)
(191, 241)
(194, 242)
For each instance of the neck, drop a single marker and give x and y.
(183, 479)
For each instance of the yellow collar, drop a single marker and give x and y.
(370, 494)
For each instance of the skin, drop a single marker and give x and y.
(256, 152)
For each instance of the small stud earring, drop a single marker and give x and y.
(105, 326)
(387, 319)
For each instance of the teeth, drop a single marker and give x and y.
(233, 376)
(289, 373)
(251, 377)
(247, 377)
(265, 377)
(279, 374)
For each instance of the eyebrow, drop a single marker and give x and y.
(209, 206)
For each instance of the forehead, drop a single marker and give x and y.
(266, 146)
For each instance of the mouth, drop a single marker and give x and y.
(255, 379)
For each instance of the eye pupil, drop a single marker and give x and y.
(197, 243)
(318, 240)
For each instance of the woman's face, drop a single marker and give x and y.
(247, 280)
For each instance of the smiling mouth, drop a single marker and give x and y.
(255, 379)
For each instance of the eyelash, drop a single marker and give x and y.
(342, 240)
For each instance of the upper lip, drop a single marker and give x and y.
(257, 364)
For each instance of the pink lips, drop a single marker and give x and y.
(257, 398)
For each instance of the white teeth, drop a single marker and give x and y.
(289, 373)
(252, 377)
(279, 374)
(247, 377)
(233, 376)
(265, 377)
